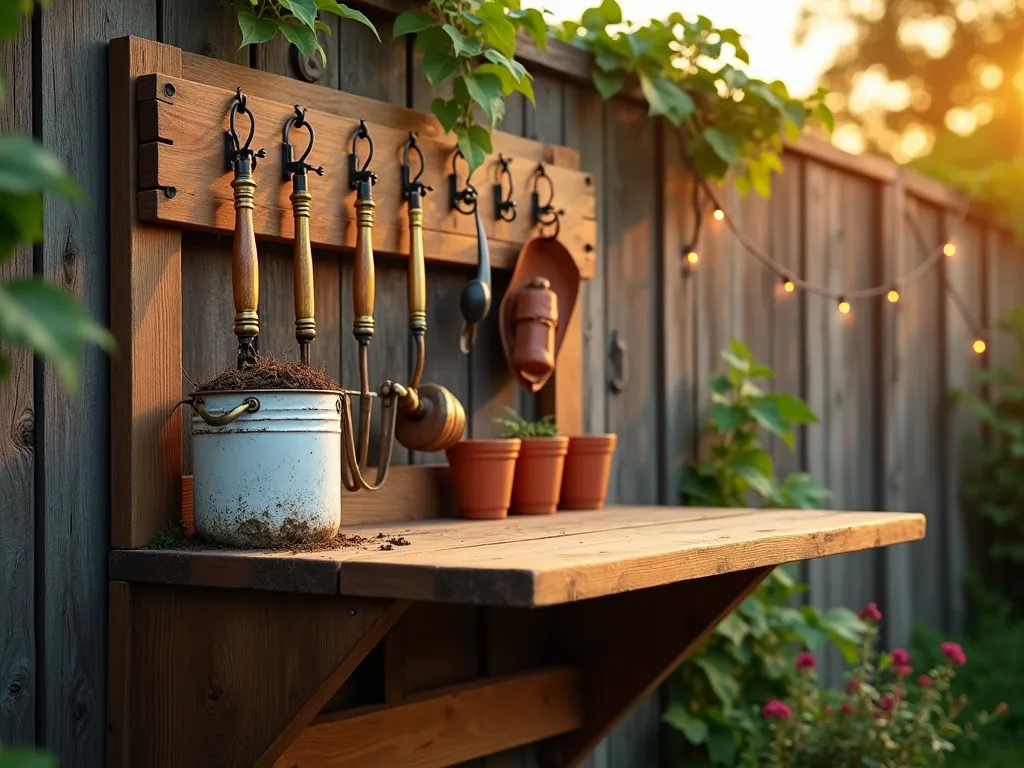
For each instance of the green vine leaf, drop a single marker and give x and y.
(303, 38)
(447, 113)
(486, 90)
(475, 143)
(411, 22)
(679, 717)
(726, 146)
(255, 30)
(604, 15)
(607, 84)
(667, 99)
(533, 22)
(345, 12)
(303, 10)
(464, 46)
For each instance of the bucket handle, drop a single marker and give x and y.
(249, 405)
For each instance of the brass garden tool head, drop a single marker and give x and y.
(435, 424)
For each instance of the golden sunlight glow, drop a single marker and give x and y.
(991, 76)
(1018, 80)
(983, 112)
(916, 141)
(933, 35)
(961, 121)
(849, 138)
(896, 96)
(966, 11)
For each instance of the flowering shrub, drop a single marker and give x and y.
(884, 716)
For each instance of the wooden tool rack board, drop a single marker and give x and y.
(473, 639)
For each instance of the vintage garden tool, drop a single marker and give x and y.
(245, 271)
(430, 418)
(475, 300)
(297, 172)
(534, 314)
(355, 447)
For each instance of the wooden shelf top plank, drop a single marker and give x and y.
(533, 561)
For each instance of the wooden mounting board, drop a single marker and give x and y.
(181, 145)
(534, 561)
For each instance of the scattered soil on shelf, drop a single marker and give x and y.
(390, 542)
(268, 373)
(176, 540)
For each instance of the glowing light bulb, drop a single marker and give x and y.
(893, 296)
(788, 286)
(979, 346)
(949, 249)
(719, 214)
(692, 258)
(844, 307)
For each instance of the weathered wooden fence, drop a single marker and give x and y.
(878, 378)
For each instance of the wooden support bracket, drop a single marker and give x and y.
(445, 727)
(628, 644)
(206, 677)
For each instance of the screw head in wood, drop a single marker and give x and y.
(169, 90)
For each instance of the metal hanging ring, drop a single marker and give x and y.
(463, 200)
(411, 145)
(241, 105)
(506, 207)
(298, 120)
(362, 133)
(546, 215)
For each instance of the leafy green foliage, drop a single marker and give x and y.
(297, 20)
(516, 426)
(33, 312)
(992, 487)
(25, 757)
(994, 672)
(749, 657)
(171, 536)
(887, 717)
(473, 42)
(739, 465)
(726, 119)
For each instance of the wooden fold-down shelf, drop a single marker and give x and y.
(524, 561)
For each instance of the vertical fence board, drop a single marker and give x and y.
(632, 249)
(203, 27)
(926, 407)
(74, 428)
(585, 132)
(17, 456)
(963, 275)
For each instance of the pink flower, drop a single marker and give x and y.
(900, 657)
(924, 681)
(1001, 708)
(776, 709)
(852, 686)
(870, 613)
(903, 671)
(887, 703)
(806, 660)
(901, 694)
(954, 653)
(846, 708)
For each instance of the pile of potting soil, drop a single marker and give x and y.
(268, 373)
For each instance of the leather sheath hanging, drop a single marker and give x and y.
(536, 310)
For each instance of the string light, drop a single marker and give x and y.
(949, 249)
(979, 346)
(692, 258)
(844, 307)
(893, 295)
(788, 286)
(719, 214)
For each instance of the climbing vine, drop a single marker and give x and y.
(687, 70)
(297, 20)
(727, 120)
(474, 43)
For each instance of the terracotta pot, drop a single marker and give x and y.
(482, 474)
(539, 475)
(588, 468)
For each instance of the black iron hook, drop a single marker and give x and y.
(463, 200)
(504, 206)
(235, 151)
(289, 165)
(361, 177)
(546, 215)
(412, 188)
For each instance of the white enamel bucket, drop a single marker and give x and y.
(267, 466)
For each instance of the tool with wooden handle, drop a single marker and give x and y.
(356, 445)
(475, 301)
(297, 171)
(245, 271)
(430, 417)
